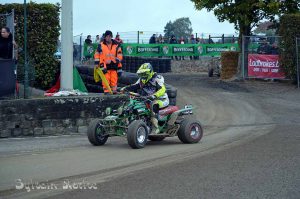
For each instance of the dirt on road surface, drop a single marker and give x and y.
(232, 113)
(224, 104)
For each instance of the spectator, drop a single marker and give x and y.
(181, 41)
(274, 49)
(7, 44)
(264, 47)
(160, 39)
(118, 39)
(192, 41)
(97, 40)
(109, 58)
(173, 41)
(152, 39)
(88, 40)
(102, 38)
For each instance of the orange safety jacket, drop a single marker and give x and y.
(108, 53)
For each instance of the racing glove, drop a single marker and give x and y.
(117, 60)
(104, 70)
(122, 90)
(119, 71)
(151, 97)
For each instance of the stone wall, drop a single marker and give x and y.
(52, 116)
(200, 65)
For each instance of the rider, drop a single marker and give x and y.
(152, 85)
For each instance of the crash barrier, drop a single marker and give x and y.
(260, 57)
(160, 65)
(53, 116)
(7, 78)
(155, 50)
(132, 64)
(87, 74)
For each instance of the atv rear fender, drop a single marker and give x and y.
(173, 117)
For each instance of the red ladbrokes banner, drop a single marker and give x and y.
(264, 66)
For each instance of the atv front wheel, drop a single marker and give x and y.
(137, 134)
(190, 131)
(96, 134)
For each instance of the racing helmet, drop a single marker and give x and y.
(145, 72)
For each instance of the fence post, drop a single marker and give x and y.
(243, 57)
(222, 38)
(209, 38)
(13, 29)
(14, 50)
(26, 84)
(80, 47)
(297, 52)
(138, 37)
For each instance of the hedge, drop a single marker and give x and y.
(42, 36)
(289, 30)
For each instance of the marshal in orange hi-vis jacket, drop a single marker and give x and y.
(109, 56)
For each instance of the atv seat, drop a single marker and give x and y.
(168, 110)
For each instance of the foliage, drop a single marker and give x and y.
(247, 14)
(42, 36)
(289, 30)
(268, 28)
(181, 27)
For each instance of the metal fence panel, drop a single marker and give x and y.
(260, 57)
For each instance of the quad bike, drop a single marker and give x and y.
(133, 120)
(215, 68)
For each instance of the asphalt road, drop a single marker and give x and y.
(267, 167)
(250, 150)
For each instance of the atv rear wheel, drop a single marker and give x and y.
(137, 134)
(96, 134)
(190, 131)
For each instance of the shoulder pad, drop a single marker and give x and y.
(160, 77)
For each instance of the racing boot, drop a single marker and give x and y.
(155, 129)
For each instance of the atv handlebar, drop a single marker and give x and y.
(135, 95)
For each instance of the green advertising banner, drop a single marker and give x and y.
(89, 49)
(148, 50)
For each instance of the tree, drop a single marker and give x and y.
(247, 14)
(289, 30)
(43, 33)
(268, 28)
(181, 27)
